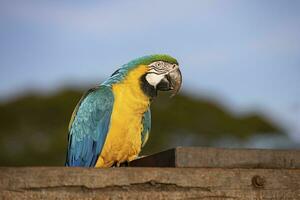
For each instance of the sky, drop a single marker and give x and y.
(243, 54)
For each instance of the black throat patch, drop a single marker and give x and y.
(148, 89)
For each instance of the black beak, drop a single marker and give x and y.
(171, 81)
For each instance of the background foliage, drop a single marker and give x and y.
(34, 127)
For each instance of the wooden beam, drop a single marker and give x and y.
(221, 158)
(193, 173)
(148, 183)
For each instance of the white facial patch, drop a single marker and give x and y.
(154, 79)
(158, 70)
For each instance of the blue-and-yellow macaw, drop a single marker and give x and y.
(111, 123)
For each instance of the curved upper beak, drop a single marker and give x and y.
(175, 79)
(171, 82)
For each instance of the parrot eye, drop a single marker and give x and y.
(159, 65)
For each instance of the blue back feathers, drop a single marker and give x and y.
(146, 120)
(90, 127)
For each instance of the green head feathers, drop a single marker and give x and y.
(146, 60)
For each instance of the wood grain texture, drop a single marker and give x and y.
(148, 183)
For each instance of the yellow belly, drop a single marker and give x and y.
(123, 141)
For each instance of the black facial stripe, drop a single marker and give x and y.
(155, 73)
(163, 85)
(148, 89)
(159, 70)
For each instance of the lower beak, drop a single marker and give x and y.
(175, 79)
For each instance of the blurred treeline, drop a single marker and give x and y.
(34, 127)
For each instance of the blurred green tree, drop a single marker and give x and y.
(34, 127)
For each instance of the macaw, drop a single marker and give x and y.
(111, 122)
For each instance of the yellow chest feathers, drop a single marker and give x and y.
(123, 141)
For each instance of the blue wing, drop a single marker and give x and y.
(89, 127)
(146, 126)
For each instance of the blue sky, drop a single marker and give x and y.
(243, 54)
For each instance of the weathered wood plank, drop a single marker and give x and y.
(222, 158)
(149, 183)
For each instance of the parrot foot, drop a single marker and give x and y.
(116, 164)
(127, 163)
(124, 164)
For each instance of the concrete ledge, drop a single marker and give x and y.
(148, 183)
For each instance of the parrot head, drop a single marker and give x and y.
(163, 75)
